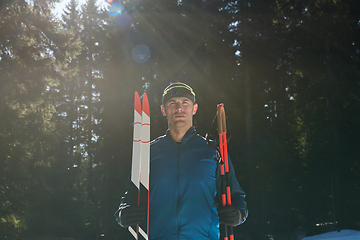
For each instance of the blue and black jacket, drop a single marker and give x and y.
(184, 182)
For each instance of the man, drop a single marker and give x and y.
(184, 179)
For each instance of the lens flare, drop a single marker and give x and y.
(141, 53)
(115, 9)
(109, 1)
(122, 20)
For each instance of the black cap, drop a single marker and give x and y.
(178, 89)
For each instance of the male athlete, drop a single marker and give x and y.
(184, 179)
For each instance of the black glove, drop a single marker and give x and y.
(230, 215)
(132, 215)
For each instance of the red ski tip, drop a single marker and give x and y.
(137, 103)
(146, 108)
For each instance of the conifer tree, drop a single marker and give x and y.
(34, 53)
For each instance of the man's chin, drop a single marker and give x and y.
(180, 123)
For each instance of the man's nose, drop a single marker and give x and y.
(179, 107)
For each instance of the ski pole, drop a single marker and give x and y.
(222, 165)
(226, 193)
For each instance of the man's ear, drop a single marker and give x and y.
(163, 110)
(196, 106)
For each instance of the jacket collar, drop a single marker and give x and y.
(188, 135)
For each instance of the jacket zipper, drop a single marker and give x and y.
(178, 192)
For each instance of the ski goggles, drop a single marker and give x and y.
(178, 90)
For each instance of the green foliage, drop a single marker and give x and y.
(287, 71)
(34, 51)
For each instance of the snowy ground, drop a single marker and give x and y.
(342, 235)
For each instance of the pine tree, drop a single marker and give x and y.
(33, 58)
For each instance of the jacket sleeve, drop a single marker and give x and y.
(237, 193)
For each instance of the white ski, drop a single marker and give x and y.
(140, 168)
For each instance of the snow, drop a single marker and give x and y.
(342, 235)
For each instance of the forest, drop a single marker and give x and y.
(287, 71)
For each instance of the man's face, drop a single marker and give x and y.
(179, 112)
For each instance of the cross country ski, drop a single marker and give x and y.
(140, 168)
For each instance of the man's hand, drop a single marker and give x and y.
(230, 215)
(132, 215)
